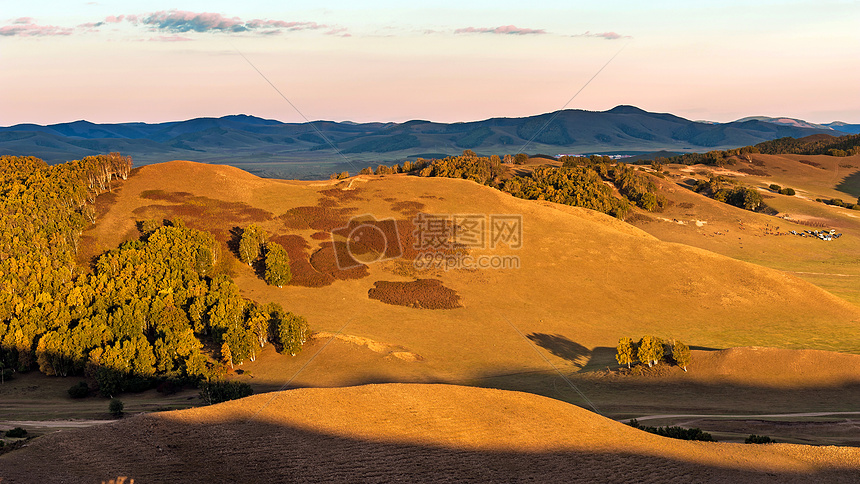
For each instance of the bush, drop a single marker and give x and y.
(81, 390)
(137, 385)
(759, 439)
(16, 433)
(680, 433)
(775, 187)
(222, 391)
(116, 407)
(787, 191)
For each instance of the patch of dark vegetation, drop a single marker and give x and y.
(325, 261)
(811, 163)
(222, 391)
(638, 217)
(304, 273)
(686, 205)
(419, 294)
(79, 390)
(409, 208)
(342, 194)
(161, 195)
(759, 439)
(754, 172)
(316, 218)
(680, 433)
(207, 214)
(16, 433)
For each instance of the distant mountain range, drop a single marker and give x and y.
(273, 148)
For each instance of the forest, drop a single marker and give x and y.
(160, 307)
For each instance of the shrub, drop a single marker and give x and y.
(759, 439)
(16, 433)
(680, 433)
(115, 407)
(213, 392)
(80, 390)
(787, 191)
(775, 187)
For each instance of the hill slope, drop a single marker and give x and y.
(403, 432)
(583, 276)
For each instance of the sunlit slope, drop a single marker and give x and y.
(583, 276)
(396, 432)
(695, 220)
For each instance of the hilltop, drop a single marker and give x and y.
(403, 432)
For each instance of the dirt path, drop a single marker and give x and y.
(733, 416)
(52, 424)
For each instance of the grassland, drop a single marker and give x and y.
(702, 272)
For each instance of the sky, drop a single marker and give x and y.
(447, 61)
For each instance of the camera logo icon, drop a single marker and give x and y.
(365, 240)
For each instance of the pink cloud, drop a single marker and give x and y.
(180, 21)
(604, 35)
(505, 29)
(29, 29)
(170, 38)
(23, 20)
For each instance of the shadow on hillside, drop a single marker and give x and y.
(228, 448)
(599, 359)
(850, 185)
(563, 347)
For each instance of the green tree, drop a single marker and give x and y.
(681, 354)
(521, 159)
(116, 407)
(249, 244)
(277, 265)
(624, 351)
(292, 333)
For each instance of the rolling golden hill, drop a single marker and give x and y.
(582, 275)
(382, 433)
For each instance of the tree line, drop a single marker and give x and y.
(147, 309)
(651, 350)
(578, 182)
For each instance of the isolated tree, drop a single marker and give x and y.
(624, 351)
(521, 159)
(277, 265)
(343, 175)
(681, 354)
(115, 407)
(508, 159)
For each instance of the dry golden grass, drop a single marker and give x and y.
(695, 220)
(383, 433)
